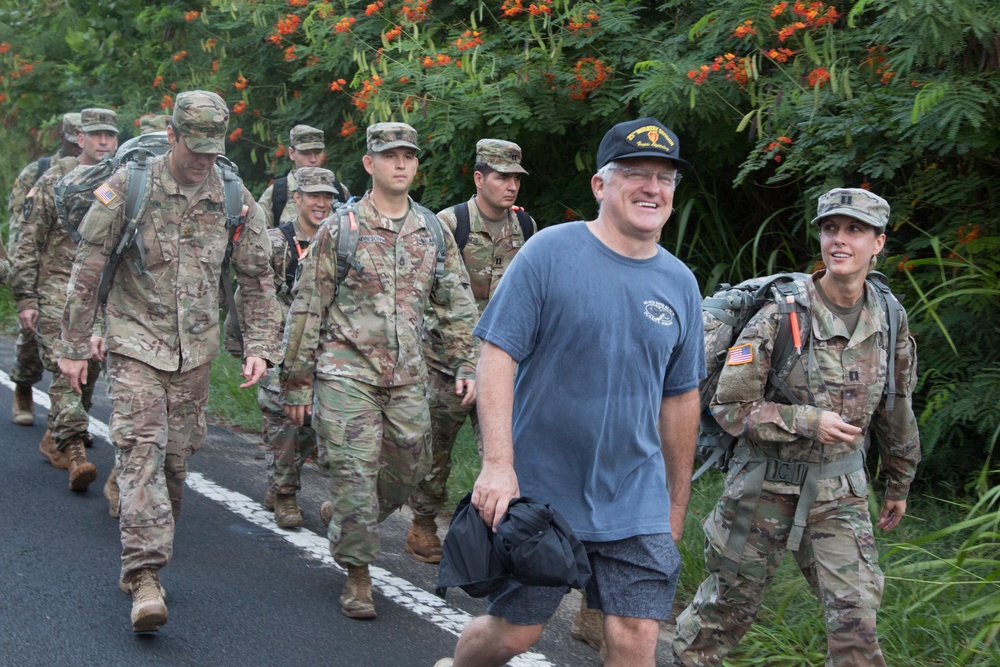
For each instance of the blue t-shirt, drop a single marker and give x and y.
(599, 339)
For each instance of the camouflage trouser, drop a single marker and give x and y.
(286, 445)
(27, 359)
(377, 447)
(448, 415)
(68, 413)
(837, 557)
(157, 422)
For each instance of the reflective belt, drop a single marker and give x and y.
(806, 475)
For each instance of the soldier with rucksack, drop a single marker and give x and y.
(353, 350)
(797, 479)
(42, 264)
(156, 255)
(306, 148)
(27, 360)
(489, 230)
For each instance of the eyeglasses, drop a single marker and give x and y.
(640, 175)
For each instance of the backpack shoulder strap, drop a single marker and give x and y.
(279, 197)
(893, 310)
(434, 226)
(232, 190)
(462, 226)
(288, 231)
(43, 166)
(348, 234)
(527, 229)
(786, 296)
(338, 188)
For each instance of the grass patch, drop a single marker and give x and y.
(229, 405)
(465, 466)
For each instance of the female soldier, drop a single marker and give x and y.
(797, 480)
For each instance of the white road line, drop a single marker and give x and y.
(422, 603)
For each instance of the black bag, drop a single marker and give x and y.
(467, 556)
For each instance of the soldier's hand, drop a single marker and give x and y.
(467, 389)
(833, 429)
(495, 487)
(97, 348)
(892, 513)
(297, 413)
(28, 319)
(75, 372)
(253, 370)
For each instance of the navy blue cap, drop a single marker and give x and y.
(646, 137)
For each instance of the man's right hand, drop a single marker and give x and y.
(495, 487)
(28, 319)
(834, 430)
(75, 372)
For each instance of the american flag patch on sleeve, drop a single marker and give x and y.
(741, 354)
(105, 194)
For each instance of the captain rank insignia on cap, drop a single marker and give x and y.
(741, 354)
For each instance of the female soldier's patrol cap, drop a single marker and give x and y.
(646, 137)
(202, 118)
(500, 155)
(383, 136)
(857, 203)
(96, 120)
(305, 138)
(314, 179)
(71, 126)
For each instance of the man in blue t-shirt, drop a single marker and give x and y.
(588, 375)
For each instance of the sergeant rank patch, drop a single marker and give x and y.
(741, 354)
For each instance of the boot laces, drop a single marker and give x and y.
(76, 451)
(146, 586)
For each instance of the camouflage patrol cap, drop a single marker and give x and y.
(305, 138)
(500, 155)
(153, 122)
(383, 136)
(315, 179)
(857, 203)
(95, 120)
(202, 118)
(71, 126)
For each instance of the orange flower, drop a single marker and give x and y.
(745, 29)
(239, 107)
(4, 47)
(215, 66)
(210, 43)
(393, 34)
(403, 79)
(3, 97)
(157, 81)
(374, 7)
(778, 9)
(180, 55)
(590, 73)
(818, 77)
(415, 11)
(289, 24)
(236, 134)
(338, 85)
(167, 101)
(290, 53)
(543, 8)
(784, 140)
(192, 15)
(281, 152)
(312, 61)
(344, 24)
(470, 39)
(240, 83)
(298, 3)
(348, 128)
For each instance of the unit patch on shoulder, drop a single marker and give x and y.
(105, 194)
(741, 354)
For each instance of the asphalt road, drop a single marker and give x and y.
(240, 590)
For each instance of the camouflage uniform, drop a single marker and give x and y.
(301, 137)
(837, 552)
(42, 263)
(486, 257)
(163, 325)
(28, 361)
(154, 122)
(363, 344)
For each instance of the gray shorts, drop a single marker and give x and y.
(635, 577)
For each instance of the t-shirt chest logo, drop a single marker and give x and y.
(660, 313)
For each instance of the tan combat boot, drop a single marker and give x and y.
(47, 448)
(269, 501)
(23, 410)
(422, 541)
(286, 511)
(113, 494)
(356, 600)
(326, 512)
(149, 611)
(588, 626)
(81, 471)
